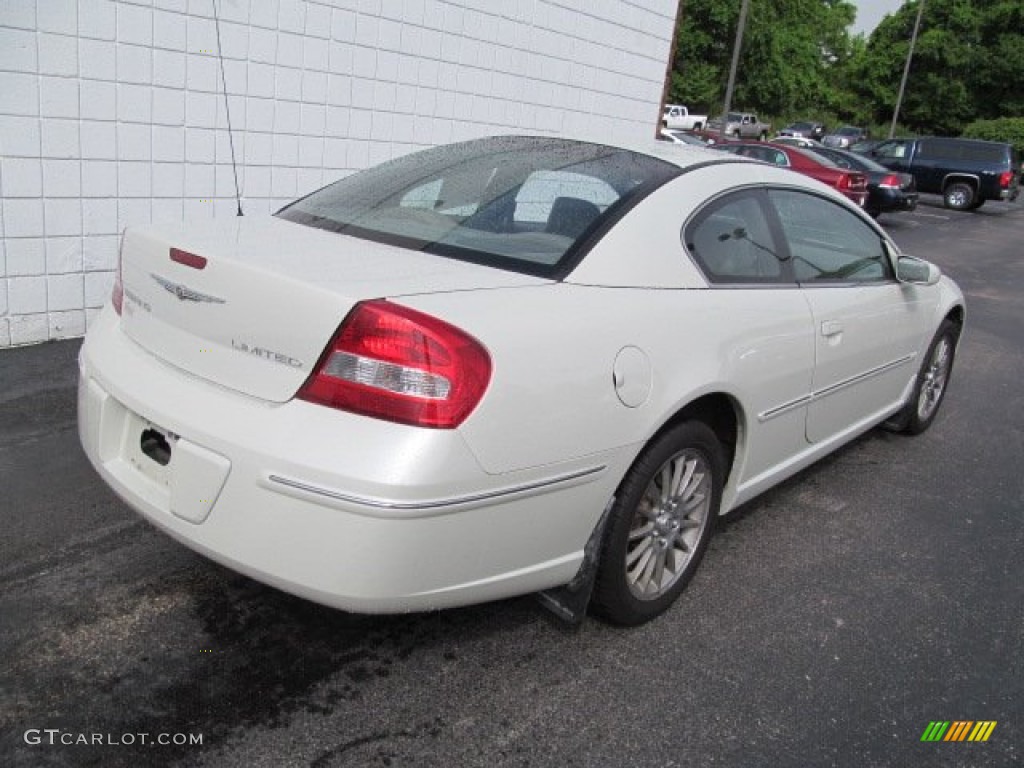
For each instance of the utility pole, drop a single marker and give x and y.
(906, 70)
(735, 63)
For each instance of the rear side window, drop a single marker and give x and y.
(766, 154)
(938, 149)
(986, 153)
(953, 149)
(732, 242)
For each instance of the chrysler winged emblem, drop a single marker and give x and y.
(183, 292)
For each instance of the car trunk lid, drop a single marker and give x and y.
(251, 303)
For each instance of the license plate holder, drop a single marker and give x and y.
(150, 450)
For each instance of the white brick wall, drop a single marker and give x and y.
(112, 111)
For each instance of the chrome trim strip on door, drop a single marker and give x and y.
(779, 410)
(861, 377)
(784, 408)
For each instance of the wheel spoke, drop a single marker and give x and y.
(695, 501)
(649, 504)
(658, 574)
(637, 552)
(666, 482)
(681, 544)
(638, 574)
(641, 531)
(683, 471)
(679, 559)
(648, 571)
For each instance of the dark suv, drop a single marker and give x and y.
(966, 172)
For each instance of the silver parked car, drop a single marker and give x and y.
(844, 136)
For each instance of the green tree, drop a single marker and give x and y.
(790, 51)
(997, 74)
(967, 65)
(799, 59)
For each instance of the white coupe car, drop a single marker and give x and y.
(509, 365)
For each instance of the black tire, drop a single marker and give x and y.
(959, 195)
(977, 204)
(656, 539)
(698, 126)
(736, 134)
(764, 136)
(932, 381)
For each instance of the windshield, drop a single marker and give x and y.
(523, 203)
(849, 130)
(819, 158)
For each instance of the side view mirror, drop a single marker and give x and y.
(917, 271)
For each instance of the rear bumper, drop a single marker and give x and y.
(351, 512)
(891, 200)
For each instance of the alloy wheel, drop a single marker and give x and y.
(667, 524)
(934, 379)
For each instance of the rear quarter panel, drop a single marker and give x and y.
(552, 396)
(553, 399)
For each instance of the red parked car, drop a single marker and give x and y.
(853, 184)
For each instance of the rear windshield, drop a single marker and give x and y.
(522, 203)
(849, 160)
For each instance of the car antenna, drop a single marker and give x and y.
(227, 108)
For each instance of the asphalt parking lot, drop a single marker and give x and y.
(832, 620)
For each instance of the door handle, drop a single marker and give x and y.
(831, 328)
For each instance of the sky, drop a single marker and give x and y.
(870, 12)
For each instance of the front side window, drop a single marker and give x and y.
(827, 243)
(519, 203)
(890, 149)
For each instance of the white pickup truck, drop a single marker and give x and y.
(679, 117)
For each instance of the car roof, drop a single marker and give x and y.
(787, 149)
(682, 155)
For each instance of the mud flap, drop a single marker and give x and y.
(569, 603)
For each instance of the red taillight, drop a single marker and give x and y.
(395, 363)
(851, 182)
(1005, 178)
(853, 185)
(890, 182)
(117, 295)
